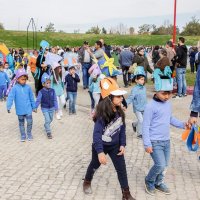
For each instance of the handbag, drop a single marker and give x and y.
(132, 68)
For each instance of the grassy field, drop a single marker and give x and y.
(19, 39)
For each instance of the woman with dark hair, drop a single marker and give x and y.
(109, 136)
(142, 60)
(155, 54)
(163, 61)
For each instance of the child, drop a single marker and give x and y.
(138, 99)
(58, 86)
(72, 80)
(94, 83)
(156, 132)
(7, 70)
(48, 100)
(109, 136)
(22, 95)
(4, 81)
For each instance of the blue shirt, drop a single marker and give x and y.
(94, 87)
(23, 97)
(4, 78)
(138, 98)
(157, 119)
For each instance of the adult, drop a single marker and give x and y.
(181, 64)
(192, 54)
(170, 53)
(155, 54)
(125, 61)
(42, 68)
(141, 60)
(197, 58)
(86, 62)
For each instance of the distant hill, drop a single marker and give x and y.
(19, 39)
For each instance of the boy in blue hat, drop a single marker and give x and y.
(22, 95)
(48, 100)
(138, 99)
(156, 131)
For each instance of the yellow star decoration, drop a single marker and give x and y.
(109, 63)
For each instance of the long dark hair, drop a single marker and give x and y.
(57, 74)
(105, 110)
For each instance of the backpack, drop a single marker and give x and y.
(197, 58)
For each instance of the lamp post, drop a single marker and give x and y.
(174, 29)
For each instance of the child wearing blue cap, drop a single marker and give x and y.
(48, 100)
(156, 131)
(138, 99)
(22, 95)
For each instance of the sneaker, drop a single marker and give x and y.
(60, 113)
(184, 95)
(139, 136)
(176, 97)
(30, 138)
(134, 127)
(23, 139)
(163, 188)
(49, 136)
(149, 190)
(70, 113)
(126, 86)
(74, 113)
(58, 117)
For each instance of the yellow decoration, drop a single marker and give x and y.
(4, 49)
(109, 63)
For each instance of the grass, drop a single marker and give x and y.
(19, 39)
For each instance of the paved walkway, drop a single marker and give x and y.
(53, 169)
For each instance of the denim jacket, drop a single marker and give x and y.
(138, 98)
(195, 104)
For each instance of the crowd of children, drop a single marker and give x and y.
(109, 135)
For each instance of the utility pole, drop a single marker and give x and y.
(174, 30)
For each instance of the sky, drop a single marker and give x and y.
(68, 15)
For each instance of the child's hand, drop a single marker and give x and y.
(102, 158)
(73, 75)
(8, 111)
(187, 125)
(122, 151)
(149, 150)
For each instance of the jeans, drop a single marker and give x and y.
(96, 97)
(138, 124)
(72, 101)
(29, 120)
(86, 75)
(3, 89)
(192, 66)
(160, 156)
(118, 162)
(48, 116)
(126, 75)
(92, 100)
(181, 81)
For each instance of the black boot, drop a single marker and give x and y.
(126, 195)
(87, 187)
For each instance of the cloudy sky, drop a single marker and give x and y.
(68, 15)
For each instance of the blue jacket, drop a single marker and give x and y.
(94, 87)
(72, 83)
(23, 97)
(10, 61)
(118, 134)
(48, 100)
(138, 98)
(126, 58)
(4, 78)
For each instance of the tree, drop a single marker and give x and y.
(50, 28)
(94, 30)
(1, 26)
(145, 29)
(192, 28)
(104, 31)
(131, 30)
